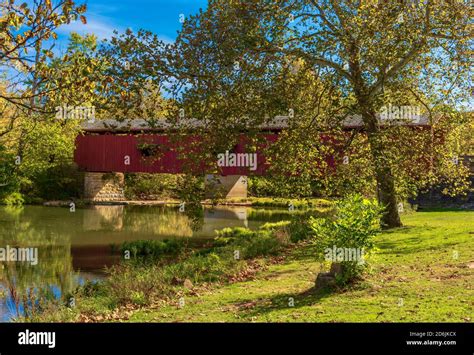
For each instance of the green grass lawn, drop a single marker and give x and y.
(422, 272)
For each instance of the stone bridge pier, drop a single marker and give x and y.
(103, 187)
(109, 187)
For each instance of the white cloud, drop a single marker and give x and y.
(100, 21)
(97, 25)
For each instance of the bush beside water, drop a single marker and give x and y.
(353, 226)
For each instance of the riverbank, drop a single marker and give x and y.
(250, 202)
(423, 272)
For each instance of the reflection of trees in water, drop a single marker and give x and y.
(195, 214)
(28, 287)
(161, 220)
(103, 217)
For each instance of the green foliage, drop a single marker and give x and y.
(299, 228)
(153, 249)
(46, 170)
(272, 226)
(202, 268)
(260, 186)
(148, 149)
(277, 185)
(264, 243)
(294, 230)
(267, 240)
(9, 181)
(59, 182)
(142, 186)
(39, 22)
(354, 224)
(226, 236)
(130, 282)
(143, 283)
(133, 93)
(81, 58)
(286, 202)
(45, 143)
(14, 199)
(190, 189)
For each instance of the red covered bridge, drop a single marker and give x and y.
(109, 146)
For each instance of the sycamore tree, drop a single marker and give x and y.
(27, 34)
(135, 83)
(228, 68)
(37, 79)
(27, 40)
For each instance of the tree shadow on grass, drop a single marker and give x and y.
(413, 239)
(276, 274)
(410, 246)
(442, 209)
(407, 230)
(286, 301)
(303, 252)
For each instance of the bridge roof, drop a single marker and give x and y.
(160, 125)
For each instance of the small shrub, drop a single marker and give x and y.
(14, 199)
(264, 243)
(137, 284)
(355, 222)
(153, 249)
(207, 268)
(230, 235)
(268, 240)
(299, 229)
(272, 226)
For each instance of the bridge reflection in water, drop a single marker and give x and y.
(93, 251)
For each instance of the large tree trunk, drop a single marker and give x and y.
(385, 184)
(383, 172)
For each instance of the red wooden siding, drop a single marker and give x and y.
(107, 152)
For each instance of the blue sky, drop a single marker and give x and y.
(159, 16)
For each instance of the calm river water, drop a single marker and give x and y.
(77, 246)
